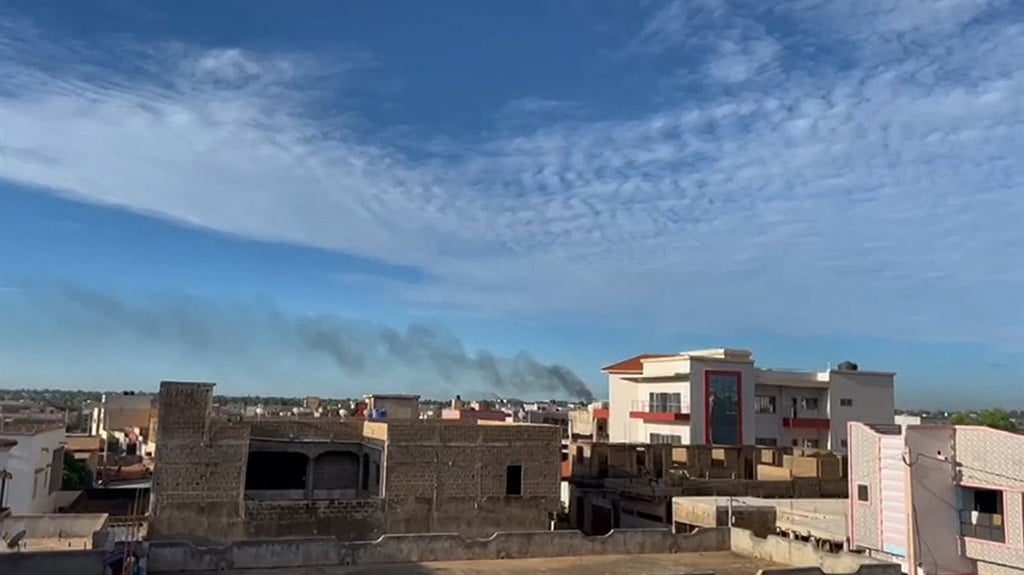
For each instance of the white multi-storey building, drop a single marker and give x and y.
(720, 396)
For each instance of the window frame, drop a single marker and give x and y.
(806, 399)
(867, 493)
(771, 406)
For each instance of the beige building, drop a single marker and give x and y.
(226, 479)
(720, 396)
(393, 406)
(938, 499)
(33, 459)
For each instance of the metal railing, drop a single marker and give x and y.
(660, 406)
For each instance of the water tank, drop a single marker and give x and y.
(847, 366)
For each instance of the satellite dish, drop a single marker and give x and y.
(13, 542)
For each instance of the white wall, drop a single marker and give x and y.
(32, 453)
(621, 395)
(873, 402)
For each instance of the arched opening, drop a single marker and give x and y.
(276, 470)
(336, 470)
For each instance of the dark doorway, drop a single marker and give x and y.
(336, 470)
(269, 470)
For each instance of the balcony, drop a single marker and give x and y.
(658, 412)
(806, 422)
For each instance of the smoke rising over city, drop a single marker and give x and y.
(369, 357)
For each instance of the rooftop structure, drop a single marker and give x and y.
(938, 499)
(353, 479)
(719, 396)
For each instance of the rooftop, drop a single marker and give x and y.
(634, 364)
(29, 427)
(719, 562)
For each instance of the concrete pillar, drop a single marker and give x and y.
(309, 478)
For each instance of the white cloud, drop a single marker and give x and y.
(881, 197)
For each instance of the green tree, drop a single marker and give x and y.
(997, 418)
(76, 474)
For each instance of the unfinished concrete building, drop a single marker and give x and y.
(622, 485)
(225, 479)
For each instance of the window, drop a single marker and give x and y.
(663, 438)
(862, 493)
(846, 402)
(764, 404)
(665, 402)
(811, 443)
(514, 480)
(767, 441)
(981, 514)
(809, 403)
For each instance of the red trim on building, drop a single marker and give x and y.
(809, 423)
(601, 413)
(652, 417)
(707, 400)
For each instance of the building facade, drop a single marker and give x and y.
(223, 479)
(939, 500)
(719, 396)
(35, 465)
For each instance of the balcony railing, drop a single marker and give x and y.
(658, 411)
(806, 422)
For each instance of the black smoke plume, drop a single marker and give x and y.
(362, 351)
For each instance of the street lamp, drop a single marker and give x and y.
(6, 445)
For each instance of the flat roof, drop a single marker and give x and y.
(822, 518)
(392, 396)
(718, 562)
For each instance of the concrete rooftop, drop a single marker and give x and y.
(721, 563)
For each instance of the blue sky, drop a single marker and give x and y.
(205, 192)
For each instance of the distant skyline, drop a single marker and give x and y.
(269, 195)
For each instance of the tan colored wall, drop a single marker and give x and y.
(175, 557)
(802, 554)
(199, 476)
(450, 476)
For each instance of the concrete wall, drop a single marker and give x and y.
(933, 496)
(46, 562)
(56, 531)
(803, 554)
(874, 401)
(861, 570)
(183, 557)
(621, 394)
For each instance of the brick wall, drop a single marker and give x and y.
(347, 520)
(200, 468)
(451, 476)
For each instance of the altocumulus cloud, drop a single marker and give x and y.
(858, 173)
